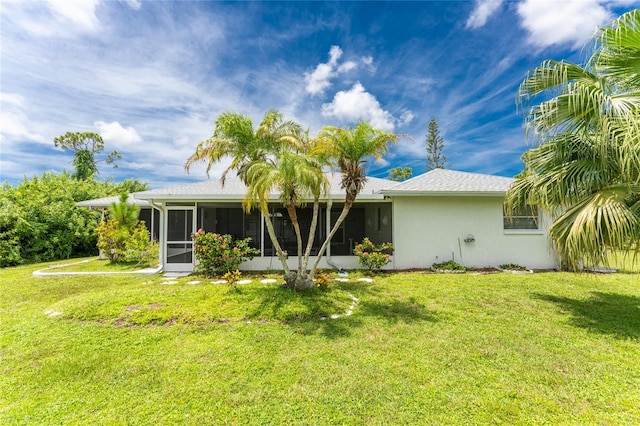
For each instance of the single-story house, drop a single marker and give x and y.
(438, 216)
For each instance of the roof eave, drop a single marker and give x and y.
(444, 193)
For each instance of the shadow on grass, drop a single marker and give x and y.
(311, 312)
(606, 313)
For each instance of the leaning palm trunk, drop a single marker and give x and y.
(348, 202)
(312, 235)
(274, 240)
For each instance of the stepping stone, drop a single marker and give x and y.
(342, 280)
(169, 282)
(366, 280)
(51, 313)
(193, 282)
(218, 282)
(268, 281)
(244, 281)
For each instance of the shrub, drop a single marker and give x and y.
(122, 244)
(232, 279)
(448, 266)
(372, 256)
(217, 253)
(513, 267)
(322, 279)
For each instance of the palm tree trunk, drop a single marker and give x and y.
(274, 240)
(312, 235)
(293, 215)
(348, 202)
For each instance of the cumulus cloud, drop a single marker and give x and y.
(357, 104)
(573, 22)
(482, 12)
(115, 135)
(319, 80)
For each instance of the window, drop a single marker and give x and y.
(521, 218)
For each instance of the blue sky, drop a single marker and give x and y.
(151, 77)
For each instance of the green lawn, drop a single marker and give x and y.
(548, 348)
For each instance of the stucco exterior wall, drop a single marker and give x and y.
(429, 230)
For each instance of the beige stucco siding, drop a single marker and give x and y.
(432, 229)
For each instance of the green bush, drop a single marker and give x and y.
(39, 219)
(220, 254)
(450, 265)
(372, 256)
(123, 244)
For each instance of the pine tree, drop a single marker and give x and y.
(435, 144)
(400, 173)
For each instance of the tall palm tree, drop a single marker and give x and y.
(350, 149)
(585, 167)
(297, 177)
(277, 156)
(235, 137)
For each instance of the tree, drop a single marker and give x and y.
(585, 166)
(435, 145)
(39, 219)
(278, 156)
(251, 149)
(126, 214)
(298, 176)
(400, 173)
(350, 149)
(85, 146)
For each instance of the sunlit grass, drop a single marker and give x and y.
(548, 348)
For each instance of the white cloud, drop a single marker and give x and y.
(406, 117)
(357, 104)
(134, 4)
(114, 134)
(347, 66)
(14, 99)
(319, 80)
(551, 22)
(81, 13)
(482, 12)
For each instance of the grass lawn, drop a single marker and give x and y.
(547, 348)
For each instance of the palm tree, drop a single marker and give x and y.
(350, 148)
(298, 177)
(585, 167)
(269, 158)
(235, 137)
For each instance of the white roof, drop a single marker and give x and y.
(106, 202)
(435, 182)
(451, 182)
(235, 189)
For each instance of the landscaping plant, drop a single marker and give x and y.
(219, 254)
(373, 256)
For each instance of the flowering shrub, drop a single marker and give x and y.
(372, 256)
(322, 279)
(220, 253)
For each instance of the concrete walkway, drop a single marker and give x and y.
(44, 273)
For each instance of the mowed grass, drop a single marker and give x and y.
(547, 348)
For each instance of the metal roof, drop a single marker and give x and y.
(451, 182)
